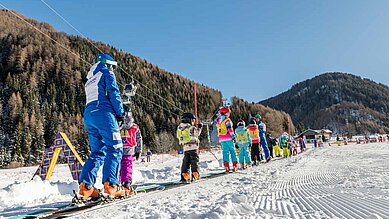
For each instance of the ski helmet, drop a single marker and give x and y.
(224, 110)
(107, 59)
(241, 123)
(252, 121)
(257, 116)
(128, 120)
(187, 117)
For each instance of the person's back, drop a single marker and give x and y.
(243, 142)
(103, 110)
(188, 137)
(254, 133)
(226, 138)
(101, 82)
(132, 145)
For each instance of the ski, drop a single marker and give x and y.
(69, 209)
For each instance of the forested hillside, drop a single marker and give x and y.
(342, 102)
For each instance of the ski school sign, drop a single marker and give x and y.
(61, 146)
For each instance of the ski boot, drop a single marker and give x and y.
(114, 190)
(227, 167)
(186, 177)
(86, 192)
(128, 187)
(195, 176)
(235, 166)
(242, 166)
(268, 159)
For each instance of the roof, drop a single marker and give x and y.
(315, 132)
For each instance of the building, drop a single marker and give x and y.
(311, 134)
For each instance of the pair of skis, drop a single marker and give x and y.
(65, 210)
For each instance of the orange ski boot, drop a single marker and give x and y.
(196, 176)
(88, 191)
(128, 188)
(186, 177)
(114, 190)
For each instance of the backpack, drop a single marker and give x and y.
(183, 135)
(254, 133)
(242, 137)
(221, 127)
(284, 142)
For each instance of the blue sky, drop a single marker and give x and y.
(253, 49)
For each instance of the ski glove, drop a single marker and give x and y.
(120, 118)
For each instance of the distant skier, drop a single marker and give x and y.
(254, 135)
(188, 136)
(301, 143)
(227, 138)
(103, 110)
(132, 145)
(338, 140)
(243, 142)
(148, 155)
(262, 135)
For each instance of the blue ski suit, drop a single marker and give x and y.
(103, 103)
(262, 136)
(244, 141)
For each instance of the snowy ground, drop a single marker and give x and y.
(332, 182)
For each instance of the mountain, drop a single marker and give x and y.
(42, 91)
(342, 102)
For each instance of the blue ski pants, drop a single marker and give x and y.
(106, 147)
(244, 155)
(264, 144)
(228, 148)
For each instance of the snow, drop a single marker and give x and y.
(349, 181)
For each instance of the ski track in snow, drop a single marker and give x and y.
(332, 182)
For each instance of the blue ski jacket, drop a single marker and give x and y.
(102, 92)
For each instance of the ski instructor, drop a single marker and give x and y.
(103, 111)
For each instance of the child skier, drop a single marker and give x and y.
(188, 136)
(132, 145)
(227, 138)
(276, 148)
(255, 140)
(243, 141)
(284, 144)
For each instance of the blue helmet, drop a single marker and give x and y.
(105, 58)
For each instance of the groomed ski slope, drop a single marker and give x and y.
(332, 182)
